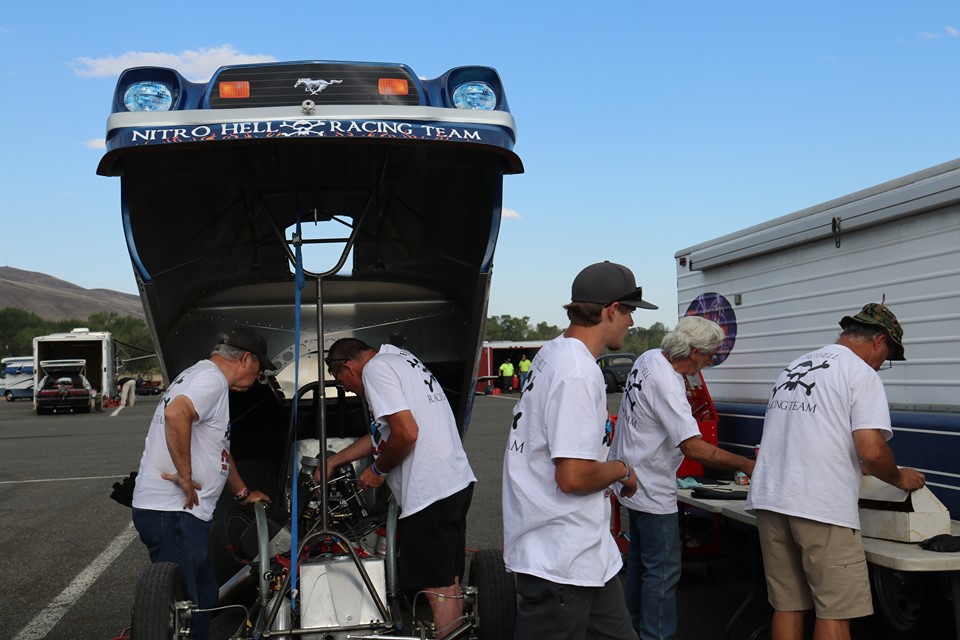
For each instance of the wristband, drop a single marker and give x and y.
(376, 471)
(626, 477)
(242, 494)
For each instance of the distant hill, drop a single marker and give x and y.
(55, 299)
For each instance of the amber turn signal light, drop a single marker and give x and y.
(393, 86)
(238, 89)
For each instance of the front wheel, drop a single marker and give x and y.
(155, 617)
(9, 396)
(496, 595)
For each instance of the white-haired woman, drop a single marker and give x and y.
(655, 430)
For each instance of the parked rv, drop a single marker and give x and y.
(16, 378)
(780, 288)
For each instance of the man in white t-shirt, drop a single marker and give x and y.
(655, 430)
(417, 450)
(556, 510)
(827, 422)
(186, 463)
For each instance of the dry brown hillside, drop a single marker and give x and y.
(55, 299)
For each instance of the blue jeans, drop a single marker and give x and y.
(653, 571)
(176, 536)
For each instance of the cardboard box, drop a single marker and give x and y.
(890, 513)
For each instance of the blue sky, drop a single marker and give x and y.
(644, 127)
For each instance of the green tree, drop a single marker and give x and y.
(544, 331)
(18, 328)
(507, 327)
(640, 339)
(131, 337)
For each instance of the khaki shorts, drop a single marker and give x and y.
(813, 565)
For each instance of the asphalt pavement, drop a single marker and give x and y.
(69, 558)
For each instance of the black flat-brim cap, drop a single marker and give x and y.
(608, 282)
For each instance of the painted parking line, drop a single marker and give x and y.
(47, 619)
(60, 479)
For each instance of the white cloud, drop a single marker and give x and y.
(953, 32)
(96, 143)
(510, 213)
(196, 65)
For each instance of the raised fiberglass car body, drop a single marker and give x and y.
(312, 201)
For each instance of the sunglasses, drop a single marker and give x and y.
(334, 365)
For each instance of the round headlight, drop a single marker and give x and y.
(475, 95)
(148, 96)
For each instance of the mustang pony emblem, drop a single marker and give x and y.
(315, 86)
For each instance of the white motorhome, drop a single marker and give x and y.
(16, 378)
(780, 288)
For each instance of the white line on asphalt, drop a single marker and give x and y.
(59, 479)
(47, 619)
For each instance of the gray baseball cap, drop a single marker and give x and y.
(608, 282)
(247, 340)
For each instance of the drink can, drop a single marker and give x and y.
(381, 541)
(756, 452)
(741, 478)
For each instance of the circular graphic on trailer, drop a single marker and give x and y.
(714, 306)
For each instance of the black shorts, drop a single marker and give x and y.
(432, 543)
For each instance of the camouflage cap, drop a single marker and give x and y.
(879, 316)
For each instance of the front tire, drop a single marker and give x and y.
(159, 588)
(9, 396)
(496, 596)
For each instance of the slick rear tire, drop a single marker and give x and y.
(496, 596)
(160, 586)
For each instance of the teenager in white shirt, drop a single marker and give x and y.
(556, 510)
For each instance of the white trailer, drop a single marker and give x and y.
(95, 347)
(780, 288)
